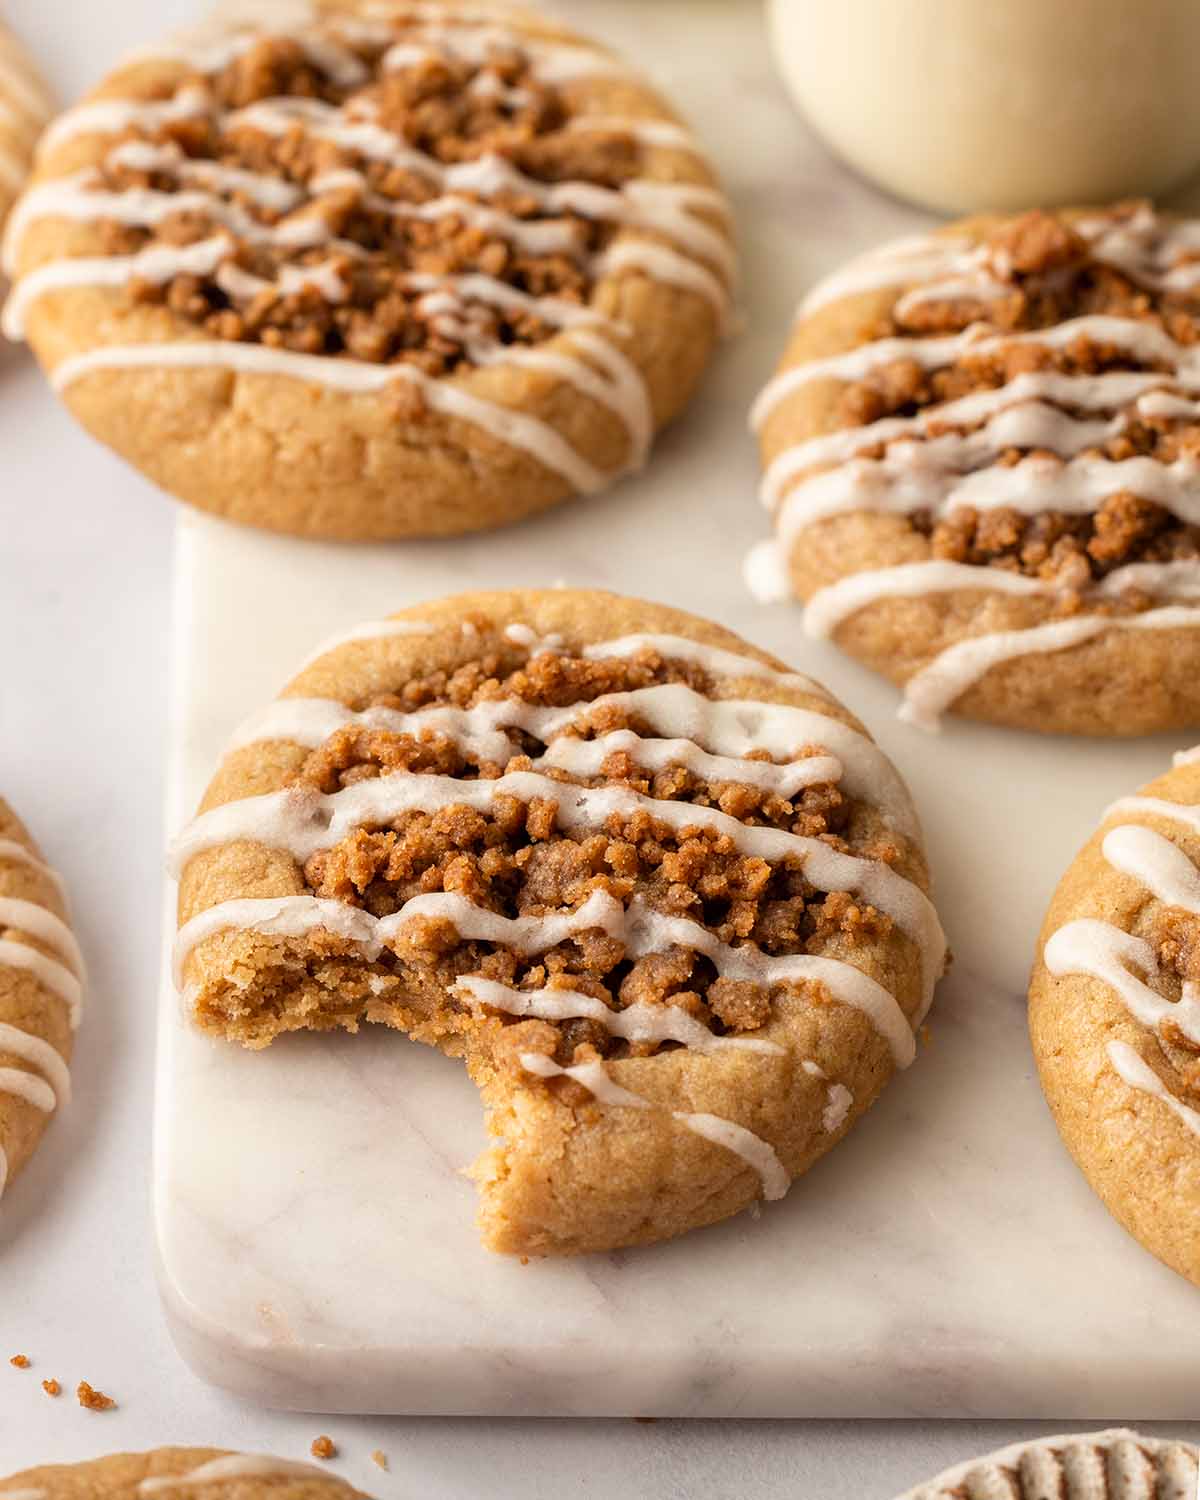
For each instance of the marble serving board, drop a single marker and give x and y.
(314, 1227)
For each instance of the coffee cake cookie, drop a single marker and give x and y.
(1115, 1013)
(25, 108)
(41, 995)
(665, 898)
(982, 457)
(393, 270)
(1113, 1465)
(178, 1474)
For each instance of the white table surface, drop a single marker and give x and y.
(84, 606)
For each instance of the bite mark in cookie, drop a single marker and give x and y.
(1013, 403)
(573, 858)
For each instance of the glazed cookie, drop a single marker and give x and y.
(981, 457)
(665, 898)
(178, 1474)
(25, 109)
(1114, 1012)
(1113, 1465)
(393, 270)
(41, 994)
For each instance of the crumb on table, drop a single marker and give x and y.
(323, 1447)
(93, 1400)
(20, 1361)
(379, 1459)
(52, 1387)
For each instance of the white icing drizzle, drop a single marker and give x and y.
(47, 1082)
(599, 370)
(373, 630)
(639, 1022)
(642, 930)
(830, 606)
(1187, 757)
(40, 1055)
(30, 1494)
(36, 920)
(238, 1466)
(945, 457)
(304, 823)
(1117, 958)
(752, 1149)
(538, 439)
(11, 850)
(932, 690)
(1089, 946)
(1139, 1075)
(48, 971)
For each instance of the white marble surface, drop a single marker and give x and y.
(84, 603)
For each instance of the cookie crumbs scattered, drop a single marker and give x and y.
(20, 1361)
(379, 1459)
(52, 1387)
(93, 1400)
(323, 1447)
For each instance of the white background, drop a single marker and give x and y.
(85, 600)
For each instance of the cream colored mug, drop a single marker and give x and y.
(974, 104)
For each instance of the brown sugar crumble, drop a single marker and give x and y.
(323, 1447)
(20, 1361)
(382, 235)
(1052, 277)
(52, 1387)
(93, 1400)
(516, 861)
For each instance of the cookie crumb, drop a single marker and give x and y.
(323, 1447)
(52, 1387)
(20, 1361)
(379, 1459)
(93, 1400)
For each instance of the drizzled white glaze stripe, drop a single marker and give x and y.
(10, 849)
(1139, 1075)
(1156, 863)
(1088, 946)
(1178, 812)
(752, 1149)
(639, 1022)
(830, 606)
(33, 918)
(937, 686)
(38, 1054)
(27, 1086)
(478, 731)
(539, 440)
(239, 1466)
(641, 930)
(48, 971)
(303, 824)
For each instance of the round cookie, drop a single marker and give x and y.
(1113, 1465)
(386, 271)
(665, 898)
(25, 109)
(1114, 1014)
(980, 456)
(41, 995)
(178, 1474)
